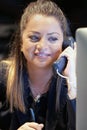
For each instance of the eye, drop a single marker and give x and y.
(34, 38)
(52, 39)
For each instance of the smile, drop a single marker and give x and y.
(42, 55)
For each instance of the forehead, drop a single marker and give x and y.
(43, 22)
(37, 18)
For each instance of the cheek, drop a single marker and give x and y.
(56, 51)
(56, 54)
(28, 51)
(26, 46)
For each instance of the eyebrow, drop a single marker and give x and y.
(34, 32)
(53, 33)
(47, 33)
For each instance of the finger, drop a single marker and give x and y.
(25, 127)
(75, 51)
(68, 52)
(35, 126)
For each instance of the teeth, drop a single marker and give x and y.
(41, 54)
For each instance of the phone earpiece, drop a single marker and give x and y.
(69, 41)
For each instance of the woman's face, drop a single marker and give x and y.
(42, 41)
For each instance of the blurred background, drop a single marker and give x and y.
(11, 10)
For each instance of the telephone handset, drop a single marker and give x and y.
(60, 64)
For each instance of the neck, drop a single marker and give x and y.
(39, 76)
(39, 80)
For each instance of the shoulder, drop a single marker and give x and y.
(5, 62)
(4, 66)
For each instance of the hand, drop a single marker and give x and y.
(31, 126)
(70, 53)
(70, 70)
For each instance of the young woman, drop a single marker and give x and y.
(39, 97)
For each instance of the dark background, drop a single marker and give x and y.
(11, 10)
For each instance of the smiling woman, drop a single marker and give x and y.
(32, 82)
(42, 45)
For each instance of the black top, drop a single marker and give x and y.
(44, 108)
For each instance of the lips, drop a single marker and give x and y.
(43, 55)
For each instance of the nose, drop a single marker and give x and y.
(41, 44)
